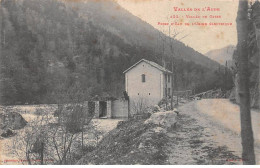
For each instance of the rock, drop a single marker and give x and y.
(57, 113)
(141, 116)
(156, 108)
(183, 101)
(8, 133)
(176, 111)
(197, 98)
(165, 119)
(12, 120)
(159, 130)
(141, 145)
(120, 124)
(232, 96)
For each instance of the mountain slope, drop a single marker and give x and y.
(115, 19)
(50, 46)
(222, 55)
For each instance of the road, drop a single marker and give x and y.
(221, 120)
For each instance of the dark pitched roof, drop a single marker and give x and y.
(152, 64)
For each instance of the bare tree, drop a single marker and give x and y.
(46, 138)
(72, 115)
(32, 144)
(173, 36)
(248, 155)
(139, 105)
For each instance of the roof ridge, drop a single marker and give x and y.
(154, 64)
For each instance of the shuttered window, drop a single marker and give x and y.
(143, 77)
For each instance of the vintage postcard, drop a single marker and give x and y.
(129, 82)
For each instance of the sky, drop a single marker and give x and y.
(201, 38)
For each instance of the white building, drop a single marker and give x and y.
(147, 83)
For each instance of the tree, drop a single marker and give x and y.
(50, 140)
(73, 115)
(248, 155)
(32, 145)
(139, 105)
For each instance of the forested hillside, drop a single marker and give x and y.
(48, 46)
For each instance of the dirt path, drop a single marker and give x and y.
(227, 115)
(208, 133)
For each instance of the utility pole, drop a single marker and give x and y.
(165, 75)
(4, 37)
(173, 72)
(173, 68)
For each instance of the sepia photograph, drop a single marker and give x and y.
(129, 82)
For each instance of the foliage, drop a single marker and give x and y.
(48, 46)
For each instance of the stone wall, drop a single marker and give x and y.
(114, 109)
(119, 109)
(96, 109)
(109, 109)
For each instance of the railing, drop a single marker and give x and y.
(209, 94)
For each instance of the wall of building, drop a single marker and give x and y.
(149, 92)
(114, 109)
(167, 84)
(109, 109)
(119, 109)
(96, 109)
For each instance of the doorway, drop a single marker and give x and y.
(102, 109)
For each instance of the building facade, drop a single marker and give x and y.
(147, 83)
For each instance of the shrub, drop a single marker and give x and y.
(39, 111)
(73, 118)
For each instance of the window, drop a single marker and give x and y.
(149, 93)
(143, 77)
